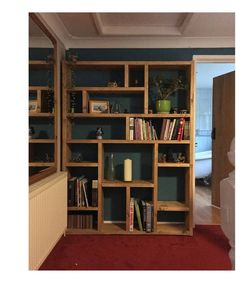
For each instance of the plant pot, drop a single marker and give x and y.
(163, 106)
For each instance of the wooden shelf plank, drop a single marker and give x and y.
(49, 141)
(124, 115)
(134, 183)
(176, 165)
(46, 115)
(108, 89)
(123, 141)
(82, 208)
(77, 231)
(81, 164)
(172, 229)
(172, 206)
(41, 88)
(41, 164)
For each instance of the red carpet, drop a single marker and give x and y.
(206, 250)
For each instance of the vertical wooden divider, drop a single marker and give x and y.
(100, 191)
(146, 89)
(66, 126)
(191, 181)
(127, 208)
(154, 179)
(126, 69)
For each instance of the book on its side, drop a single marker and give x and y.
(138, 215)
(131, 215)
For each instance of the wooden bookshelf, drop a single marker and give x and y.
(43, 122)
(152, 176)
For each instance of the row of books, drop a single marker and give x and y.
(142, 212)
(175, 129)
(80, 193)
(141, 129)
(80, 221)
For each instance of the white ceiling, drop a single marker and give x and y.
(141, 30)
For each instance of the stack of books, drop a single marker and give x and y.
(175, 129)
(78, 192)
(142, 212)
(81, 221)
(141, 129)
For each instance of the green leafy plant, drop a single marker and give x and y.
(166, 87)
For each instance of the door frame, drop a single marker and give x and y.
(208, 59)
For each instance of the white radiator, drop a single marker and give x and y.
(47, 216)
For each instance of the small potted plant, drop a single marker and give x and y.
(164, 89)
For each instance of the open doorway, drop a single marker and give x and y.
(205, 212)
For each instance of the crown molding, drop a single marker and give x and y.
(151, 42)
(104, 30)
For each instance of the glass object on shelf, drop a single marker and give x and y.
(110, 175)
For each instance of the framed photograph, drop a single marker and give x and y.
(33, 106)
(99, 106)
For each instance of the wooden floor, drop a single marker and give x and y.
(204, 212)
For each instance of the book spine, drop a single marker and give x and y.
(138, 216)
(131, 215)
(181, 129)
(148, 217)
(166, 129)
(131, 128)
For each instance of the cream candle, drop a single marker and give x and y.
(127, 170)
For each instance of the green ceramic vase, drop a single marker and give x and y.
(163, 106)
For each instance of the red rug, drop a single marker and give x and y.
(206, 250)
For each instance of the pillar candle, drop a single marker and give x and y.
(128, 170)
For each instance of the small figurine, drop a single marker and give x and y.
(99, 133)
(180, 158)
(77, 158)
(183, 111)
(136, 82)
(163, 158)
(174, 110)
(112, 84)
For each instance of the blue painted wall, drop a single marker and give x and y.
(149, 54)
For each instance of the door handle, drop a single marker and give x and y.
(213, 134)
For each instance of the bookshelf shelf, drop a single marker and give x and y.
(134, 183)
(81, 164)
(171, 206)
(83, 208)
(173, 165)
(42, 141)
(165, 186)
(41, 164)
(172, 229)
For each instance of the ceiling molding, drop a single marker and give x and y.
(56, 25)
(148, 42)
(115, 30)
(40, 42)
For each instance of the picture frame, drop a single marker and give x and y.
(99, 106)
(33, 106)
